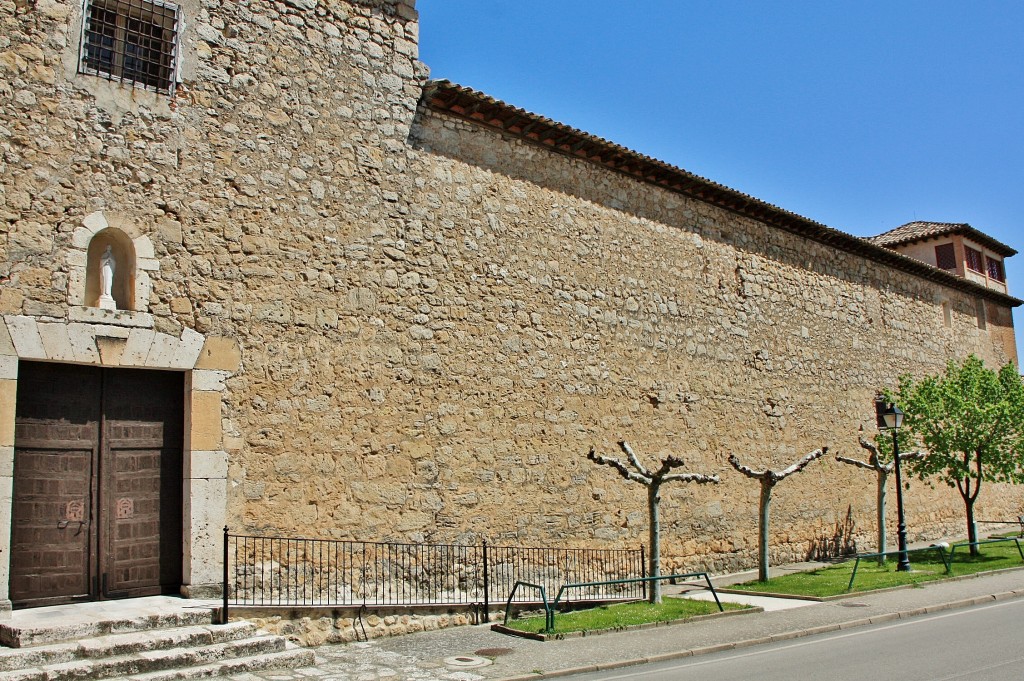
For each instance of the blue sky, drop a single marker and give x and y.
(861, 115)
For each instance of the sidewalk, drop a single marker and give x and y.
(472, 653)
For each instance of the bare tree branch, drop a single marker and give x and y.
(855, 462)
(801, 464)
(747, 471)
(619, 466)
(698, 478)
(634, 459)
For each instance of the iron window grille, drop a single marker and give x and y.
(945, 257)
(974, 259)
(131, 41)
(995, 270)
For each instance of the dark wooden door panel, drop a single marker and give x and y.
(56, 435)
(141, 493)
(50, 543)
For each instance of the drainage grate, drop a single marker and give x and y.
(493, 652)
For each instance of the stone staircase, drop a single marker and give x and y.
(177, 643)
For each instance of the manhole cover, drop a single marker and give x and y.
(493, 652)
(466, 661)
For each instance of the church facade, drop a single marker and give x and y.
(260, 271)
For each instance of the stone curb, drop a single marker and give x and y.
(785, 636)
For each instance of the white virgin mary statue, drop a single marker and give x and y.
(107, 267)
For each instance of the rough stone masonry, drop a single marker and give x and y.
(401, 323)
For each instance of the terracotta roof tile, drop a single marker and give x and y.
(920, 230)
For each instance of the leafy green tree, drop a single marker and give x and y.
(971, 422)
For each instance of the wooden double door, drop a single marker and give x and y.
(97, 501)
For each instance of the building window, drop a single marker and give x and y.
(133, 41)
(995, 270)
(974, 259)
(945, 257)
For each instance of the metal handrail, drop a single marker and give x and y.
(952, 549)
(881, 554)
(551, 610)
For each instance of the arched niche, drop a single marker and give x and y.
(123, 251)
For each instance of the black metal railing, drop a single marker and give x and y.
(281, 571)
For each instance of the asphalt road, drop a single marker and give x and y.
(983, 643)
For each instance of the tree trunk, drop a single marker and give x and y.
(654, 566)
(883, 480)
(972, 527)
(762, 548)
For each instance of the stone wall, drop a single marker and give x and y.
(436, 322)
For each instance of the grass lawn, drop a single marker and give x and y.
(621, 615)
(926, 566)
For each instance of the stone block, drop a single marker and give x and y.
(220, 353)
(204, 422)
(148, 264)
(83, 343)
(25, 336)
(208, 465)
(8, 400)
(189, 346)
(6, 500)
(56, 342)
(6, 460)
(162, 352)
(8, 368)
(136, 350)
(95, 222)
(110, 350)
(82, 237)
(95, 315)
(208, 380)
(144, 247)
(205, 516)
(6, 344)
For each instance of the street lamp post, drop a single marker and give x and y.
(890, 417)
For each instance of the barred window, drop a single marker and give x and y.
(974, 259)
(945, 257)
(995, 270)
(133, 41)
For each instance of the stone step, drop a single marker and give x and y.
(21, 636)
(291, 658)
(179, 659)
(123, 644)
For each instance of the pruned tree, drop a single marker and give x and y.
(653, 481)
(769, 479)
(876, 457)
(970, 420)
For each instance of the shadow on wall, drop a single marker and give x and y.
(840, 544)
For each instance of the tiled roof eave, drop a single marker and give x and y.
(965, 230)
(470, 105)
